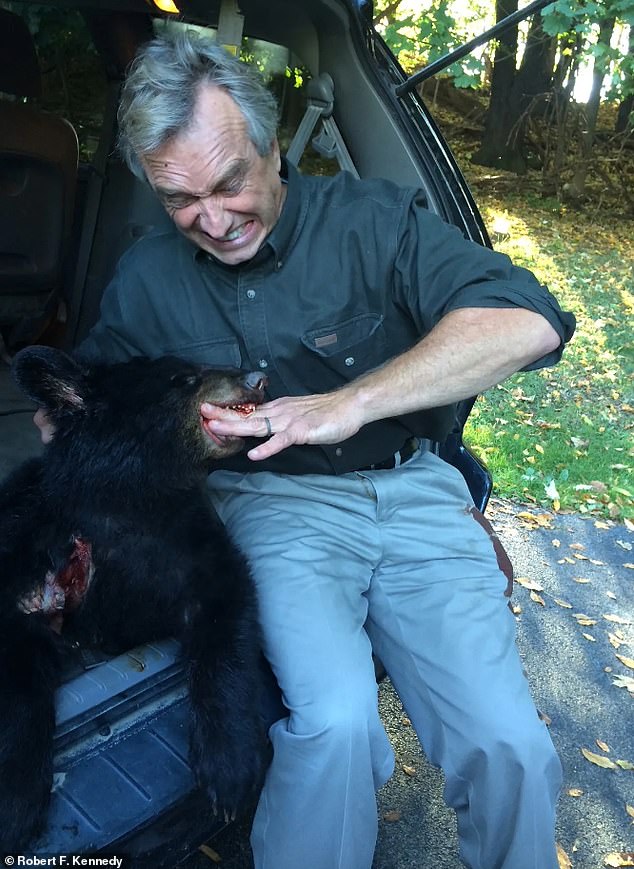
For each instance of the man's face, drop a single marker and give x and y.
(214, 185)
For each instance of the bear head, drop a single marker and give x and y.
(129, 415)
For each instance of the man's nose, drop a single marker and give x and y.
(213, 218)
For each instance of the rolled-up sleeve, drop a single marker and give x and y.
(438, 270)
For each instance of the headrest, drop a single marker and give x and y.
(19, 68)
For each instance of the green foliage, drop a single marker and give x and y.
(422, 36)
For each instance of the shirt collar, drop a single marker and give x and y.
(280, 239)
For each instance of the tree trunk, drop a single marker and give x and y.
(578, 183)
(627, 105)
(535, 75)
(499, 146)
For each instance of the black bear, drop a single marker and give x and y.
(108, 539)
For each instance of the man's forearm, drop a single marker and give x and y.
(470, 350)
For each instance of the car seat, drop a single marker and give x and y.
(38, 173)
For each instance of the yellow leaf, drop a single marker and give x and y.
(589, 637)
(577, 546)
(581, 579)
(408, 770)
(624, 682)
(619, 858)
(628, 565)
(599, 524)
(619, 620)
(629, 810)
(598, 759)
(562, 858)
(530, 584)
(535, 597)
(629, 662)
(602, 745)
(614, 640)
(586, 622)
(624, 764)
(516, 609)
(209, 852)
(575, 792)
(539, 448)
(562, 603)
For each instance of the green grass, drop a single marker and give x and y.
(562, 437)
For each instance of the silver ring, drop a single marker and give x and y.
(269, 430)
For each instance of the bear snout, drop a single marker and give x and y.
(255, 380)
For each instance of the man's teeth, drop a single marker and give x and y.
(235, 234)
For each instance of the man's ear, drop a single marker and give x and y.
(50, 378)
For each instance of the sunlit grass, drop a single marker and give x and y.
(562, 437)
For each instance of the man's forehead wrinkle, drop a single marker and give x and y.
(199, 165)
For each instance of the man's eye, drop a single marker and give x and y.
(177, 202)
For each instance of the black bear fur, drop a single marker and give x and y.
(108, 539)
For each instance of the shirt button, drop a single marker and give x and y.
(338, 452)
(263, 363)
(250, 294)
(349, 360)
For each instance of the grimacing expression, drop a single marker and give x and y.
(215, 186)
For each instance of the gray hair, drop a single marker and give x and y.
(159, 94)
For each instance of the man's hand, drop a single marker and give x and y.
(307, 419)
(46, 427)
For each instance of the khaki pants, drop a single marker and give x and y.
(395, 561)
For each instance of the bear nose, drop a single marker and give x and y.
(255, 380)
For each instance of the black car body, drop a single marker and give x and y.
(122, 780)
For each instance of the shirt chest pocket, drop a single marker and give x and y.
(350, 347)
(215, 352)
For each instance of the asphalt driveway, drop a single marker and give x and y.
(579, 574)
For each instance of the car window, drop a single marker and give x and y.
(73, 78)
(287, 79)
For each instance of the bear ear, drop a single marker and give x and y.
(50, 378)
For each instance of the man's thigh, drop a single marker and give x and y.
(439, 617)
(312, 557)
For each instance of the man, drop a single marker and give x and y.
(370, 318)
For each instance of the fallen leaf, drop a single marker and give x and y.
(598, 759)
(516, 609)
(209, 852)
(629, 810)
(615, 640)
(562, 603)
(392, 817)
(562, 858)
(611, 595)
(577, 546)
(575, 792)
(619, 858)
(628, 662)
(624, 764)
(602, 745)
(624, 544)
(581, 579)
(408, 770)
(556, 543)
(619, 620)
(628, 565)
(599, 524)
(624, 682)
(535, 597)
(530, 584)
(589, 637)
